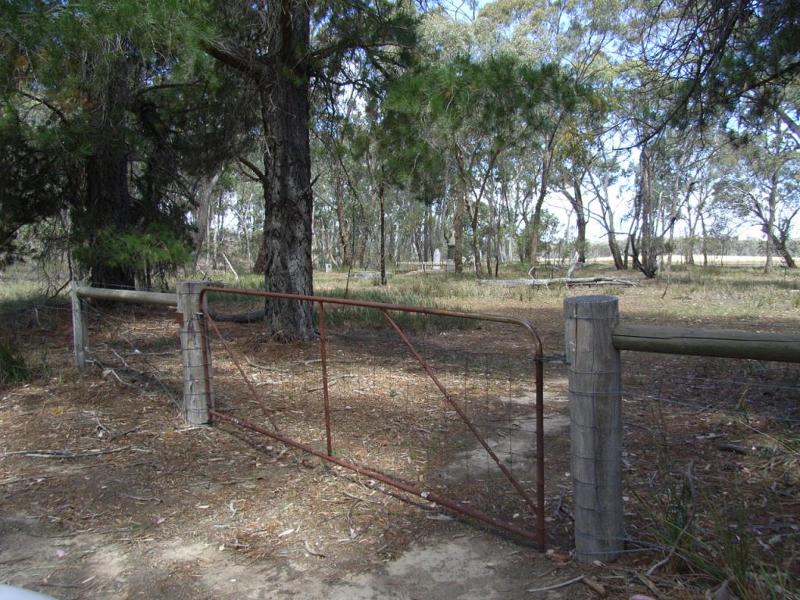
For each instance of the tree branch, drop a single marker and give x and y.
(249, 67)
(259, 174)
(46, 103)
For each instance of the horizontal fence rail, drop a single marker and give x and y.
(133, 296)
(723, 343)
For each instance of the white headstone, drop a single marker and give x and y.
(437, 259)
(328, 267)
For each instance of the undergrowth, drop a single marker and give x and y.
(13, 368)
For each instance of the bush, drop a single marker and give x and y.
(12, 365)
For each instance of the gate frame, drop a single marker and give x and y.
(538, 537)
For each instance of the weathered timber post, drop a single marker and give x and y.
(80, 336)
(595, 400)
(197, 393)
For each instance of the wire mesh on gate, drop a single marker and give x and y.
(453, 415)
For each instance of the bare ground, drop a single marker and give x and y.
(139, 506)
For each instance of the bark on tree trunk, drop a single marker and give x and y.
(580, 218)
(288, 200)
(476, 251)
(616, 254)
(780, 247)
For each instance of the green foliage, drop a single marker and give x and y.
(35, 180)
(108, 109)
(155, 250)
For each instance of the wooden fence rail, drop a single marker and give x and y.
(724, 343)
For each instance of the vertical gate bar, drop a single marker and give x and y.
(540, 451)
(323, 354)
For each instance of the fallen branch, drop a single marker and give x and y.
(568, 281)
(556, 586)
(331, 382)
(63, 453)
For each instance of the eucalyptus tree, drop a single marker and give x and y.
(578, 36)
(763, 184)
(473, 112)
(603, 174)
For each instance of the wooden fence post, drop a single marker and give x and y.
(197, 392)
(80, 337)
(595, 400)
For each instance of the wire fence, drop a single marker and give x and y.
(136, 346)
(712, 460)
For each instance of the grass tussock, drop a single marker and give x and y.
(13, 367)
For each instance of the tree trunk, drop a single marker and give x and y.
(779, 243)
(288, 200)
(616, 254)
(341, 216)
(202, 205)
(382, 194)
(476, 251)
(362, 241)
(580, 218)
(108, 203)
(458, 229)
(704, 243)
(648, 263)
(537, 211)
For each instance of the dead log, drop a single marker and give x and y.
(568, 281)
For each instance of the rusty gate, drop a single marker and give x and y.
(332, 447)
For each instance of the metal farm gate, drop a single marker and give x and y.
(451, 417)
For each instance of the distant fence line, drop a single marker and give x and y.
(714, 260)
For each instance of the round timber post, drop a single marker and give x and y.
(595, 401)
(80, 335)
(197, 391)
